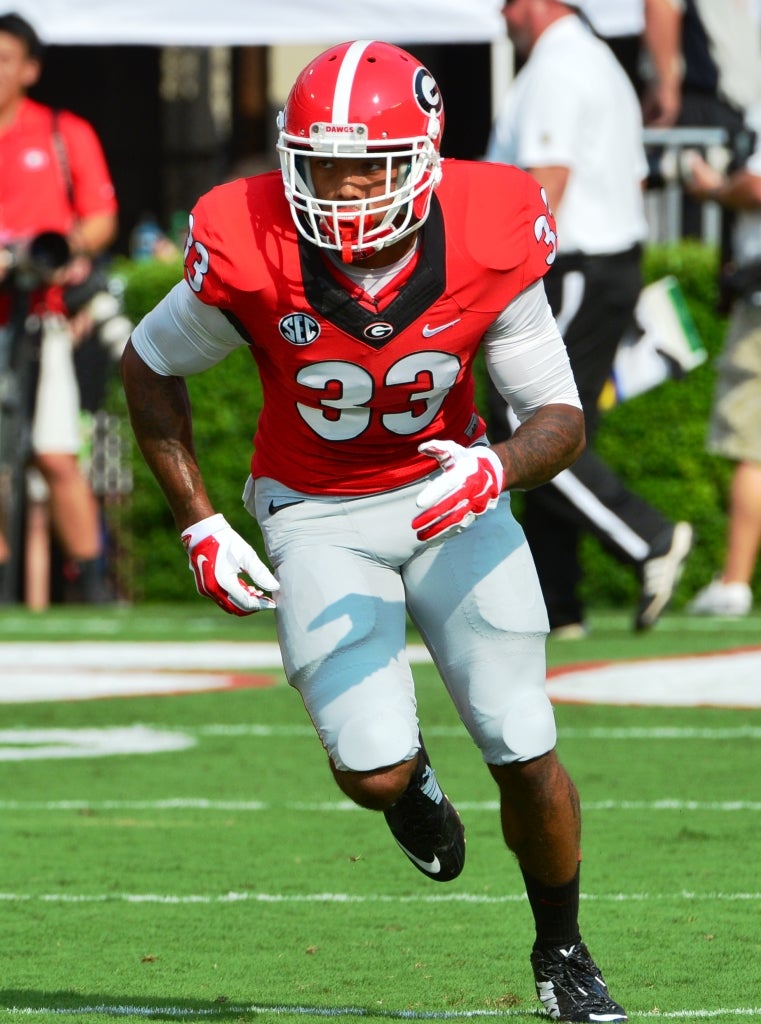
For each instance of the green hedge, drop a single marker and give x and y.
(656, 441)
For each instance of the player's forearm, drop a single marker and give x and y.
(160, 414)
(542, 446)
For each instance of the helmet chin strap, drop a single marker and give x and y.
(349, 231)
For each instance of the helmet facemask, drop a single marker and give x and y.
(357, 227)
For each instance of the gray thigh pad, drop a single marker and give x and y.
(477, 600)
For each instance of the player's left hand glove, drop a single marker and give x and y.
(471, 483)
(217, 556)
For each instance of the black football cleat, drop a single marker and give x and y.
(570, 985)
(426, 826)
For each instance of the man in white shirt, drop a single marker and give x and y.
(621, 23)
(572, 119)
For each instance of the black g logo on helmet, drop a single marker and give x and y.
(427, 92)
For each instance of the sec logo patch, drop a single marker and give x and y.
(299, 328)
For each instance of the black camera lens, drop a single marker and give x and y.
(49, 251)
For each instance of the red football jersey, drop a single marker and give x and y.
(352, 386)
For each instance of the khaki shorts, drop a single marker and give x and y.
(56, 426)
(735, 426)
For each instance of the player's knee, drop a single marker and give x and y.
(526, 730)
(376, 739)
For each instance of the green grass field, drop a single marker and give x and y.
(227, 879)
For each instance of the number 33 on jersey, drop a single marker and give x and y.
(349, 380)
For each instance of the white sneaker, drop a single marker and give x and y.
(661, 572)
(731, 600)
(570, 631)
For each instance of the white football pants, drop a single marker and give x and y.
(350, 569)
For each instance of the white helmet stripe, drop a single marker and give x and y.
(345, 80)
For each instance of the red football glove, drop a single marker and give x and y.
(217, 556)
(470, 485)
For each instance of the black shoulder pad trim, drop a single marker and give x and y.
(333, 303)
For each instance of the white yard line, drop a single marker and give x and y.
(177, 899)
(342, 806)
(226, 1010)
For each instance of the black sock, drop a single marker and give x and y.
(556, 911)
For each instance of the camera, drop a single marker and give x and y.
(32, 264)
(103, 298)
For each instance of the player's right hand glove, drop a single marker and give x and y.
(217, 556)
(470, 484)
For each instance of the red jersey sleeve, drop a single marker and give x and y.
(498, 219)
(519, 230)
(234, 248)
(219, 244)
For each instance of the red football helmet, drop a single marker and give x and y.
(362, 99)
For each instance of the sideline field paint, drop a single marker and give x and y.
(81, 671)
(728, 679)
(56, 744)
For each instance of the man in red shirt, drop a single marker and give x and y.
(364, 278)
(53, 178)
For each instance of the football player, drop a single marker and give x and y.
(364, 277)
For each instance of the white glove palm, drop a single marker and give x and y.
(470, 485)
(217, 556)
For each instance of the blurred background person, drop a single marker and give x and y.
(572, 119)
(621, 24)
(660, 64)
(692, 62)
(720, 79)
(645, 38)
(54, 179)
(721, 60)
(735, 426)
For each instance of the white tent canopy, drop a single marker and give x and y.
(259, 22)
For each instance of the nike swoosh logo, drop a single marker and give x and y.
(433, 867)
(200, 581)
(428, 332)
(286, 504)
